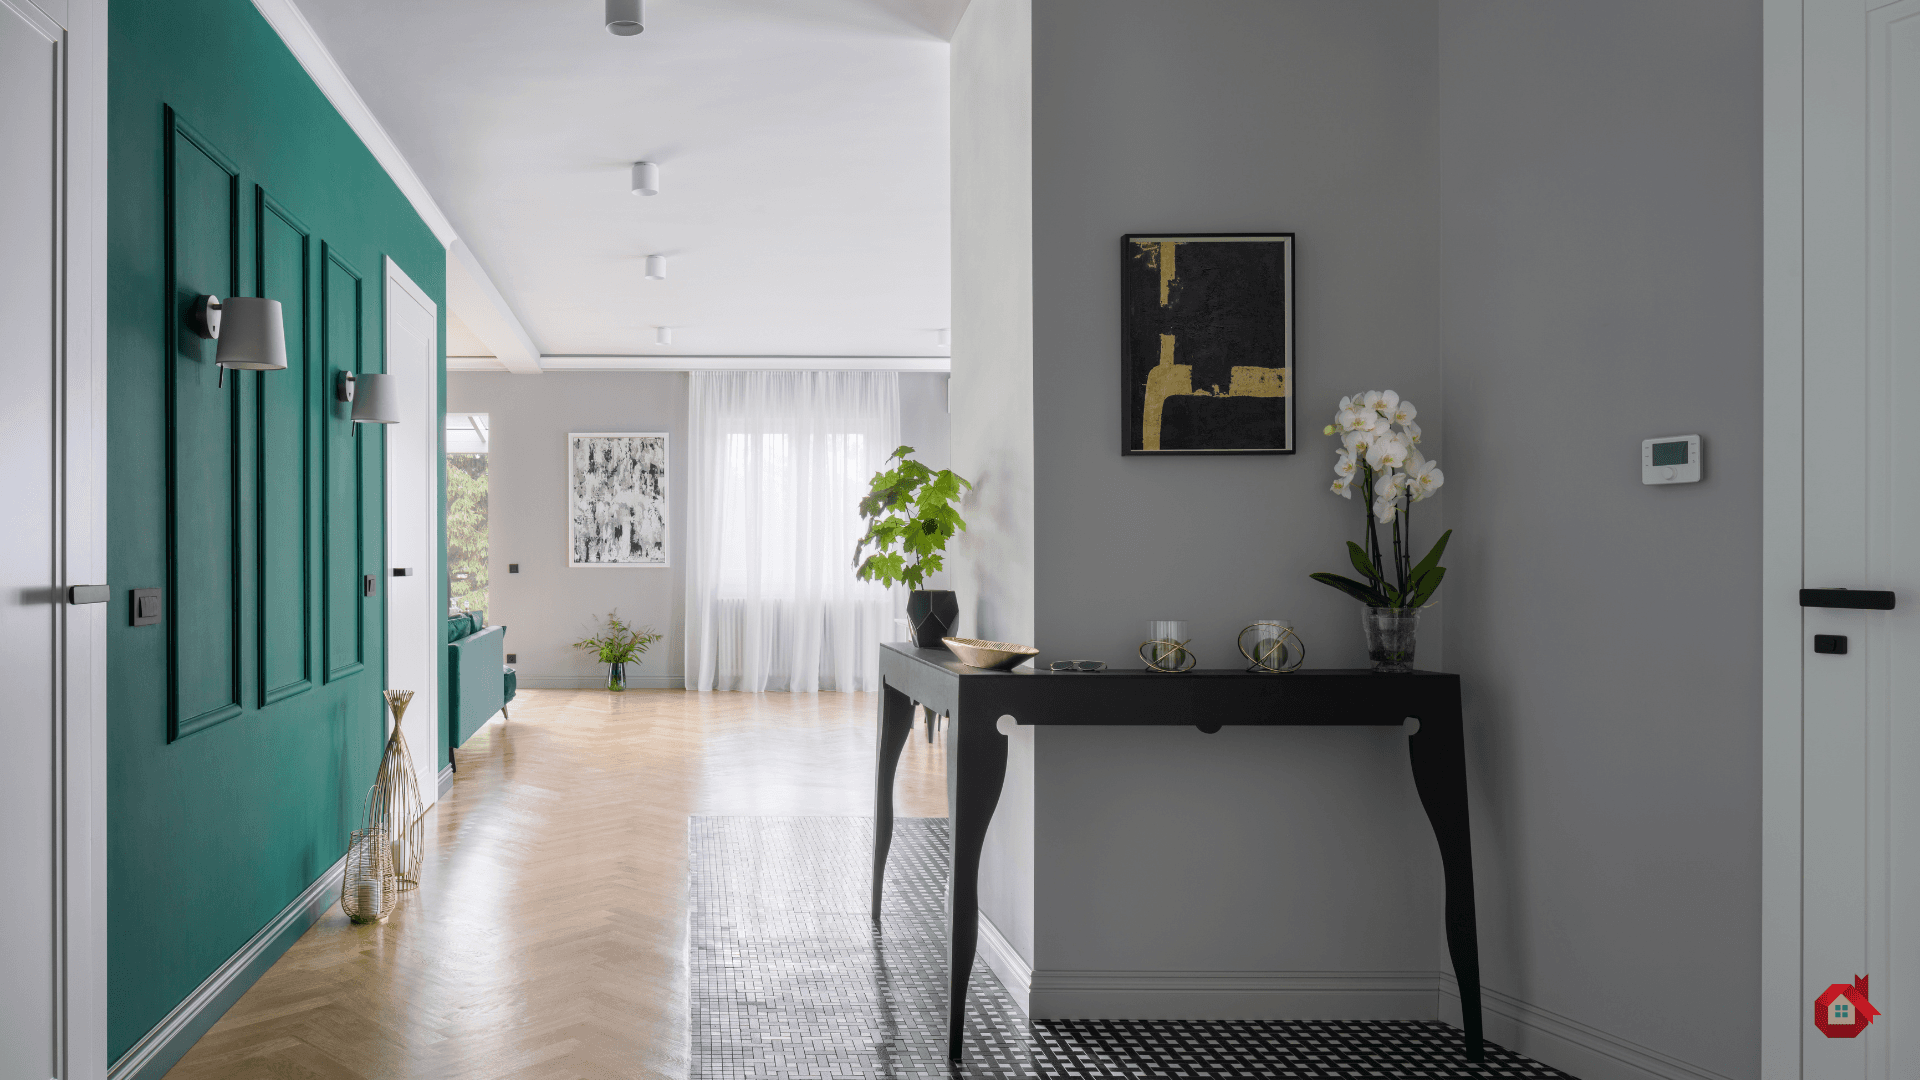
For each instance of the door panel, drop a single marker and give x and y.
(29, 308)
(342, 518)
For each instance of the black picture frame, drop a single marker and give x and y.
(1235, 303)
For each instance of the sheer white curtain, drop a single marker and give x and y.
(779, 461)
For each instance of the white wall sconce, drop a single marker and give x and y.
(623, 18)
(657, 267)
(376, 398)
(250, 330)
(663, 335)
(646, 178)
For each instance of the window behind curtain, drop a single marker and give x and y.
(779, 462)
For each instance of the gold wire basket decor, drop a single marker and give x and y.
(394, 806)
(367, 891)
(1275, 647)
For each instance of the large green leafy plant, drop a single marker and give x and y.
(910, 517)
(1380, 455)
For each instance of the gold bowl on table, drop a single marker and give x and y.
(991, 655)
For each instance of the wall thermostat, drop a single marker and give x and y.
(1674, 459)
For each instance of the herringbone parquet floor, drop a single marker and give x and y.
(548, 938)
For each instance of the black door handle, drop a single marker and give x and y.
(1868, 599)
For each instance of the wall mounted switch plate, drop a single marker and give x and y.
(1830, 644)
(513, 568)
(1674, 459)
(366, 585)
(512, 658)
(146, 607)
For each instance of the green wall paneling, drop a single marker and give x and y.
(230, 173)
(283, 450)
(343, 509)
(203, 450)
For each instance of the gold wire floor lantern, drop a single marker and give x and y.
(394, 806)
(367, 892)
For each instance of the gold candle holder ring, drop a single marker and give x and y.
(1271, 651)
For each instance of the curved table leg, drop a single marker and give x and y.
(895, 724)
(976, 769)
(1439, 756)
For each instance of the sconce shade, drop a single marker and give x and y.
(623, 17)
(646, 178)
(376, 399)
(252, 337)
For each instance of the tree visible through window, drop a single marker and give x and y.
(467, 510)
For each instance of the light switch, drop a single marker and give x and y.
(146, 607)
(513, 568)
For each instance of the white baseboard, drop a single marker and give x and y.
(446, 780)
(158, 1050)
(1005, 962)
(1565, 1043)
(599, 682)
(1234, 995)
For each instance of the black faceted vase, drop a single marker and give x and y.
(932, 614)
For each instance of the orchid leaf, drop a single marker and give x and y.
(1363, 564)
(1363, 593)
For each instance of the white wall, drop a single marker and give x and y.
(991, 568)
(549, 605)
(1600, 180)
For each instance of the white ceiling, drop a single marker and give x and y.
(802, 148)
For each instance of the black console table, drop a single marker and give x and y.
(974, 700)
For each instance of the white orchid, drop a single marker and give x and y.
(1423, 478)
(1380, 456)
(1389, 452)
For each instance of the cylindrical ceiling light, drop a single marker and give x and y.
(945, 336)
(663, 335)
(646, 178)
(657, 267)
(376, 399)
(623, 17)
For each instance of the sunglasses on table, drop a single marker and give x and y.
(1077, 665)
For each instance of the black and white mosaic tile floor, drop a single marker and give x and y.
(790, 980)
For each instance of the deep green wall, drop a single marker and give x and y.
(236, 771)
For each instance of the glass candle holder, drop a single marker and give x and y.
(1166, 646)
(1270, 645)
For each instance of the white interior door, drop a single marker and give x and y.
(52, 444)
(1856, 508)
(414, 618)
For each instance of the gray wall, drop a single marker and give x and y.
(992, 394)
(1231, 116)
(549, 605)
(1600, 181)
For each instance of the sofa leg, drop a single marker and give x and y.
(504, 714)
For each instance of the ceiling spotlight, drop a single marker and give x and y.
(646, 178)
(945, 336)
(663, 335)
(623, 17)
(657, 267)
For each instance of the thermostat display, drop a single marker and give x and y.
(1674, 459)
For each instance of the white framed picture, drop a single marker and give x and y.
(616, 499)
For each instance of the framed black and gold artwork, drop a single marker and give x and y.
(1206, 328)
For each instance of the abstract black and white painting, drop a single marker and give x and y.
(617, 499)
(1206, 327)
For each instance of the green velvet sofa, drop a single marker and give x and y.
(478, 679)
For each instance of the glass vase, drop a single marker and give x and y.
(617, 678)
(1390, 637)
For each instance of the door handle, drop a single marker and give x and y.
(403, 571)
(1863, 599)
(88, 594)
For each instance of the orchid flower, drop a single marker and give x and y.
(1402, 412)
(1389, 452)
(1343, 464)
(1380, 455)
(1343, 488)
(1424, 479)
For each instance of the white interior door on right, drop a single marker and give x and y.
(1860, 734)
